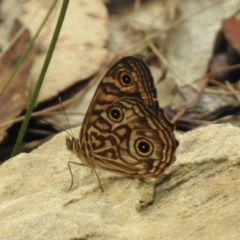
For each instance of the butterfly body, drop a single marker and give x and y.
(124, 130)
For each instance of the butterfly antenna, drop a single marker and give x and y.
(60, 101)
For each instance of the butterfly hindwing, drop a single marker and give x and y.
(130, 139)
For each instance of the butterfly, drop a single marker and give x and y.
(124, 130)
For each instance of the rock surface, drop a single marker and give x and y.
(197, 199)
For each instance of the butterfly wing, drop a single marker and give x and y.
(130, 139)
(129, 77)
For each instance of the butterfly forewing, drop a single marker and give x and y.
(129, 77)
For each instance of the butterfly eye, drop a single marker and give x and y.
(126, 80)
(144, 147)
(116, 114)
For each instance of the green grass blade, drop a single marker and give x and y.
(41, 77)
(29, 47)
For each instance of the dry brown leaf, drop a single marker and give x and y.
(189, 46)
(153, 15)
(226, 52)
(132, 26)
(80, 49)
(16, 96)
(188, 50)
(9, 14)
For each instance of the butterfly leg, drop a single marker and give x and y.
(81, 164)
(99, 182)
(70, 170)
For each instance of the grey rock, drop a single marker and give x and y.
(198, 197)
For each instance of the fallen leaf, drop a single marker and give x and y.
(16, 96)
(226, 52)
(80, 50)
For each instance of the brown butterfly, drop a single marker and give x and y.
(124, 130)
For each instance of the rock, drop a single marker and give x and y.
(198, 197)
